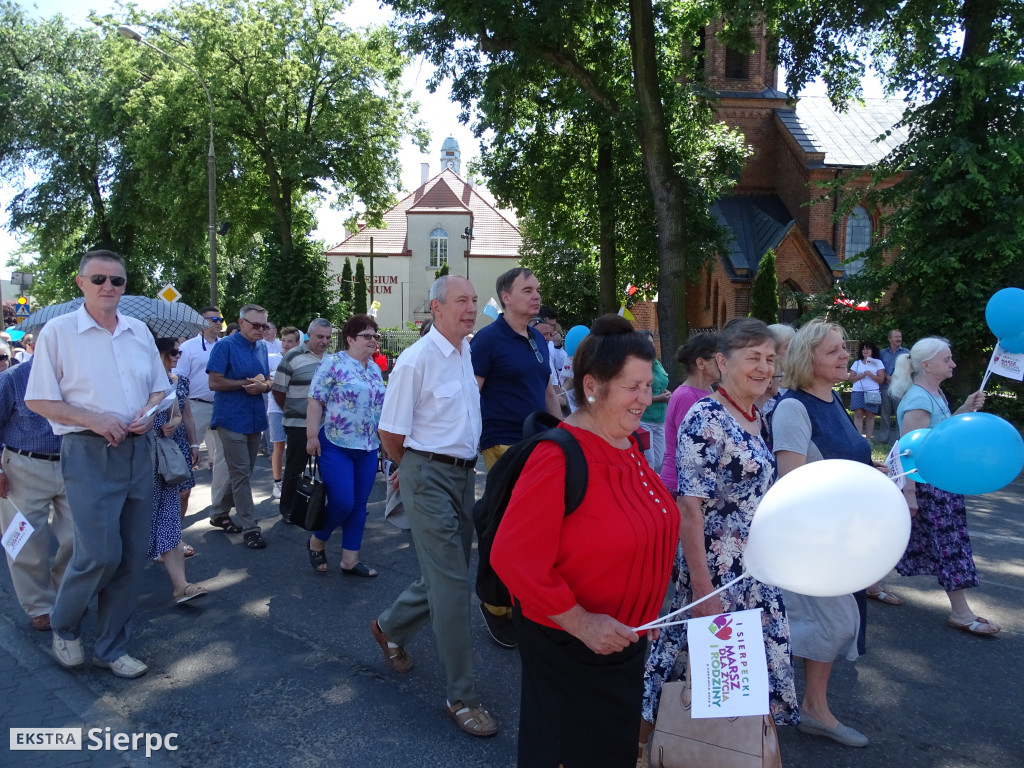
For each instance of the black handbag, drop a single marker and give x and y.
(310, 498)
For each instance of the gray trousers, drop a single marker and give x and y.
(888, 411)
(33, 486)
(236, 459)
(110, 491)
(201, 414)
(439, 504)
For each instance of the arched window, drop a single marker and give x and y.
(791, 302)
(858, 239)
(438, 248)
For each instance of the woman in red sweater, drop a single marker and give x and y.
(580, 582)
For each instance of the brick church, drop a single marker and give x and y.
(797, 145)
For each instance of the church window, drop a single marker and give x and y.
(858, 239)
(736, 64)
(438, 248)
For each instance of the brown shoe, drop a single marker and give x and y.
(476, 721)
(41, 623)
(396, 657)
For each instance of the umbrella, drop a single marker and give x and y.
(163, 318)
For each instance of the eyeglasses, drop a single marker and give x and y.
(258, 326)
(374, 336)
(174, 353)
(115, 280)
(4, 358)
(214, 319)
(533, 346)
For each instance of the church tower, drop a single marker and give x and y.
(451, 156)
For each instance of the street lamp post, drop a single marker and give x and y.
(211, 158)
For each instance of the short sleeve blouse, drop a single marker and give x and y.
(352, 398)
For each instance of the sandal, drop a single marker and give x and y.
(394, 655)
(255, 540)
(476, 721)
(190, 592)
(884, 597)
(318, 559)
(225, 524)
(360, 569)
(976, 626)
(187, 550)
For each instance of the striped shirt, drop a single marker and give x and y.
(293, 376)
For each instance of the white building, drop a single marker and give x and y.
(424, 231)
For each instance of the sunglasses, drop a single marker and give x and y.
(174, 353)
(533, 346)
(4, 358)
(257, 326)
(115, 280)
(215, 319)
(374, 336)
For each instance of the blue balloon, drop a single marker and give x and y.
(573, 338)
(910, 443)
(1013, 344)
(971, 454)
(1004, 313)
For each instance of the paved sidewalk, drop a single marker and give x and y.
(276, 667)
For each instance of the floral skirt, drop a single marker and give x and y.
(940, 544)
(667, 660)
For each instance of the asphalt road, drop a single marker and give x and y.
(276, 667)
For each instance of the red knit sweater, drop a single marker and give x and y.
(613, 555)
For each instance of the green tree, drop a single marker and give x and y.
(360, 293)
(764, 293)
(442, 271)
(569, 277)
(956, 231)
(628, 66)
(346, 281)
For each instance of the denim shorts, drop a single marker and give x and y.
(276, 428)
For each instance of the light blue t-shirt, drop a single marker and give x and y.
(920, 399)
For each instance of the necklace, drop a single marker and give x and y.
(753, 408)
(942, 403)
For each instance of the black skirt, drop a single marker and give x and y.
(577, 708)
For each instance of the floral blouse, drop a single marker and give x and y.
(352, 398)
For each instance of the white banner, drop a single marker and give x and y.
(892, 461)
(17, 533)
(1009, 365)
(727, 664)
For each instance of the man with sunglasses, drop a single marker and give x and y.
(97, 377)
(513, 371)
(239, 375)
(195, 354)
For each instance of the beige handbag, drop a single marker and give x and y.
(681, 741)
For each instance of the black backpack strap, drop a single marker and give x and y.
(576, 473)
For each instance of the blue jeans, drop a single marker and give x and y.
(348, 474)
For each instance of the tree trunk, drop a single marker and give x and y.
(605, 178)
(666, 187)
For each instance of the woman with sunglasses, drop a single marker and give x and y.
(165, 544)
(5, 357)
(345, 399)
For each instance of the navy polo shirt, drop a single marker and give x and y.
(514, 380)
(235, 357)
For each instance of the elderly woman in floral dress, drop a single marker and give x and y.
(345, 399)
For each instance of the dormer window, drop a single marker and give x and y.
(438, 248)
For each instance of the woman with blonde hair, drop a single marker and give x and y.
(940, 544)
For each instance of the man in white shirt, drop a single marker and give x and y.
(96, 376)
(195, 354)
(430, 427)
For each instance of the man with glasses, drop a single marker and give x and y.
(513, 371)
(97, 377)
(195, 354)
(291, 391)
(239, 377)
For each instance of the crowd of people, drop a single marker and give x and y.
(81, 415)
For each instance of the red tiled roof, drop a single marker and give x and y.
(494, 234)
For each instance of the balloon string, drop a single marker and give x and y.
(662, 621)
(911, 472)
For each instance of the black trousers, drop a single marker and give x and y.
(295, 458)
(577, 708)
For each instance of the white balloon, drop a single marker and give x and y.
(828, 528)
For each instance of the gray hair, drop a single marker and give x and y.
(909, 367)
(782, 333)
(5, 348)
(439, 289)
(99, 254)
(320, 322)
(250, 308)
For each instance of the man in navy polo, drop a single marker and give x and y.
(239, 377)
(511, 363)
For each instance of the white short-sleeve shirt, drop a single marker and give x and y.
(433, 399)
(82, 364)
(195, 354)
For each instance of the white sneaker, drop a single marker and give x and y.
(276, 493)
(124, 666)
(68, 653)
